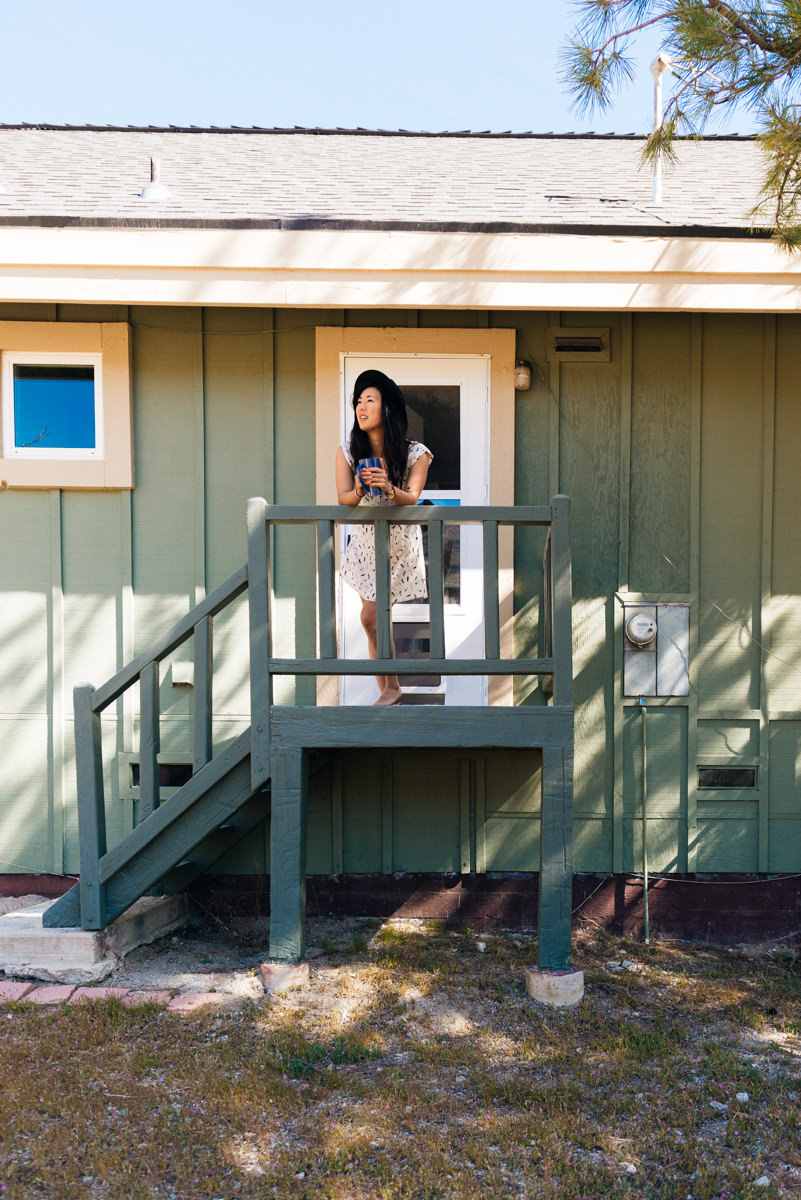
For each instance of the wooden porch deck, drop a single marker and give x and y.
(181, 837)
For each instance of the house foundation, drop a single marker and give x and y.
(30, 950)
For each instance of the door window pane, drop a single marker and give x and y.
(54, 407)
(434, 420)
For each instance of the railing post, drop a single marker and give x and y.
(202, 734)
(492, 634)
(436, 586)
(547, 620)
(149, 740)
(261, 696)
(561, 601)
(383, 597)
(91, 806)
(326, 603)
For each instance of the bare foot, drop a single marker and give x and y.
(389, 695)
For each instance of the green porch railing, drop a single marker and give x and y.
(224, 798)
(558, 599)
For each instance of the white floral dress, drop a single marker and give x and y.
(407, 563)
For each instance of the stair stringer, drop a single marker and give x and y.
(221, 793)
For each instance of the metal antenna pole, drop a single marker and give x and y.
(658, 67)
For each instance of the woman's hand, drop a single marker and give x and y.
(376, 477)
(350, 489)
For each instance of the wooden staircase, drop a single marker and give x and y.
(179, 838)
(266, 768)
(188, 833)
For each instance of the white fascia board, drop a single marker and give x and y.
(366, 268)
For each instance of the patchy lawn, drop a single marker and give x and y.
(415, 1067)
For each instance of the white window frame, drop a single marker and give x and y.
(44, 358)
(106, 345)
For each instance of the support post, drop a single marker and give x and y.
(261, 692)
(91, 806)
(288, 854)
(556, 870)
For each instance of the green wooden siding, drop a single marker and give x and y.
(681, 456)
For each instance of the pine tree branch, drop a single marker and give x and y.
(624, 33)
(738, 22)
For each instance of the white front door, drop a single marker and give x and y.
(447, 397)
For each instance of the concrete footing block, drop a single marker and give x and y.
(281, 976)
(556, 989)
(28, 949)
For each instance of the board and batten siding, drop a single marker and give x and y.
(681, 456)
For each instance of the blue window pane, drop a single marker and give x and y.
(54, 407)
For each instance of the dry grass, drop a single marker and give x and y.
(416, 1068)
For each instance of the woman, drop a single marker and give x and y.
(379, 431)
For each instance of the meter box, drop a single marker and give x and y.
(656, 649)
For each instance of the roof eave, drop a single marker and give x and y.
(332, 266)
(310, 224)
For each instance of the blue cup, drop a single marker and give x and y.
(367, 463)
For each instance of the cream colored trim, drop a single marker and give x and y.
(316, 250)
(383, 268)
(114, 469)
(499, 345)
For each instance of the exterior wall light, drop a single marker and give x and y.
(522, 376)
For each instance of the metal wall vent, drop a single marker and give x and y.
(727, 777)
(579, 345)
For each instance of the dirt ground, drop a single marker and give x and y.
(413, 1066)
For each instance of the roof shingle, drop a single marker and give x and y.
(399, 179)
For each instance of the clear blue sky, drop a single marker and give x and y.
(422, 64)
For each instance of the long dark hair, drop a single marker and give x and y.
(393, 408)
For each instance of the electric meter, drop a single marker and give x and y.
(641, 629)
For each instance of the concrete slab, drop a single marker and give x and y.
(555, 989)
(30, 950)
(281, 976)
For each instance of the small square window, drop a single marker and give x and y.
(52, 405)
(65, 405)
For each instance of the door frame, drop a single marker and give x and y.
(332, 343)
(465, 620)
